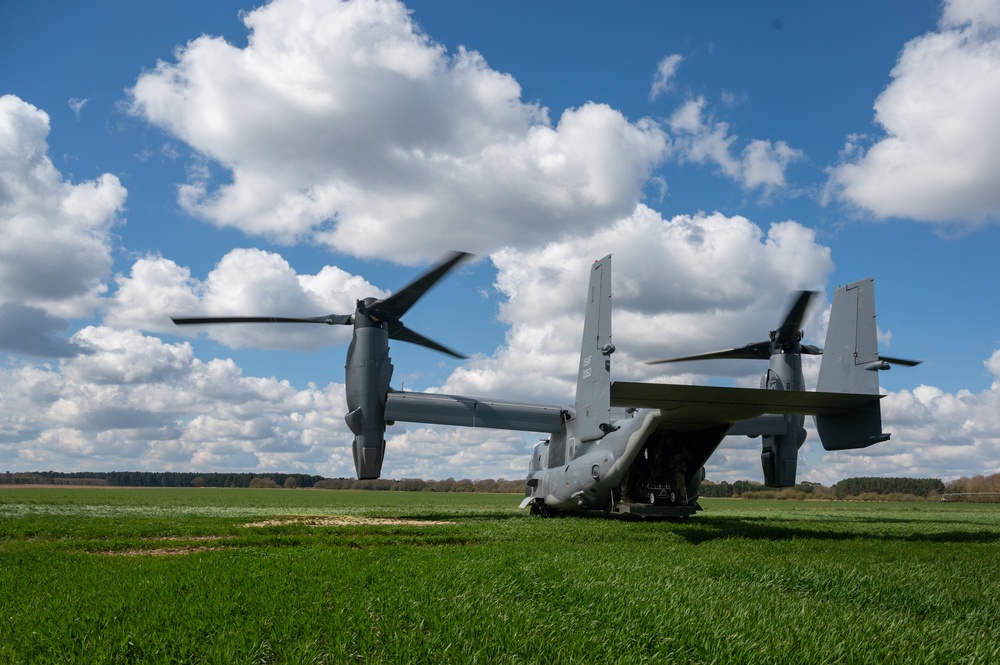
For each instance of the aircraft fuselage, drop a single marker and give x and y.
(639, 462)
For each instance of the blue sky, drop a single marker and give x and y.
(228, 159)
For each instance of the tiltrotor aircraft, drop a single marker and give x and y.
(652, 461)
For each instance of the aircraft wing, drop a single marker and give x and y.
(437, 409)
(696, 407)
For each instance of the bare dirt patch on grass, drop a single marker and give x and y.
(345, 520)
(168, 551)
(160, 551)
(307, 520)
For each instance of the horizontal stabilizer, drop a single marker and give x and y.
(434, 409)
(712, 405)
(857, 429)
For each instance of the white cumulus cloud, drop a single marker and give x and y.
(55, 252)
(937, 160)
(137, 402)
(681, 285)
(701, 140)
(665, 72)
(343, 123)
(245, 282)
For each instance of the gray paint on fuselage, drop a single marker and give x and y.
(573, 486)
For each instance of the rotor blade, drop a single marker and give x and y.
(810, 350)
(900, 361)
(330, 319)
(393, 307)
(789, 330)
(404, 334)
(754, 351)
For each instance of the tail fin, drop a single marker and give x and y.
(593, 387)
(850, 365)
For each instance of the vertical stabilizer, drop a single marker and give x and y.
(850, 365)
(851, 342)
(593, 387)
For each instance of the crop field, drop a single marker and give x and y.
(103, 575)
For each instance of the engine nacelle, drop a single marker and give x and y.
(779, 455)
(368, 372)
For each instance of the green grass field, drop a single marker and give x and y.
(310, 576)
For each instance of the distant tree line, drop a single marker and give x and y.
(977, 489)
(152, 479)
(751, 489)
(918, 487)
(49, 478)
(874, 489)
(255, 481)
(975, 484)
(865, 489)
(486, 486)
